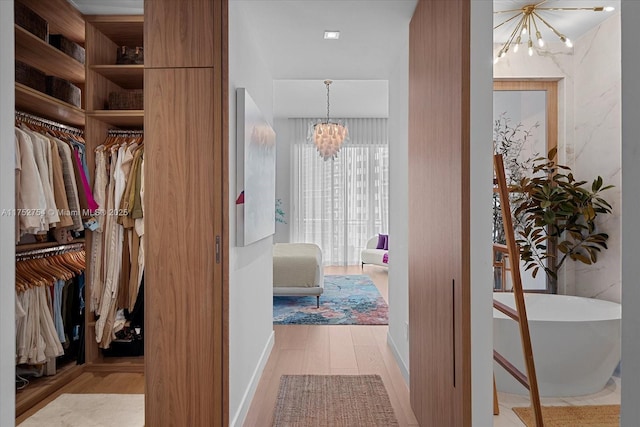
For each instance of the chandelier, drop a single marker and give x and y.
(529, 20)
(328, 135)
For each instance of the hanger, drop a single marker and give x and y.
(44, 268)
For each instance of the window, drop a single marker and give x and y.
(341, 204)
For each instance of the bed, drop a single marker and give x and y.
(297, 270)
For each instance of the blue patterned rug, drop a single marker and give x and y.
(346, 300)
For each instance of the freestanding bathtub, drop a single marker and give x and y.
(575, 340)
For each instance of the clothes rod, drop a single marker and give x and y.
(30, 118)
(55, 250)
(123, 132)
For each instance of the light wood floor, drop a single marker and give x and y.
(94, 382)
(350, 350)
(325, 350)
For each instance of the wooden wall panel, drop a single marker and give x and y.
(183, 291)
(102, 50)
(123, 30)
(439, 273)
(182, 33)
(186, 175)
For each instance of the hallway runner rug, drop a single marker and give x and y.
(346, 300)
(333, 400)
(90, 410)
(573, 416)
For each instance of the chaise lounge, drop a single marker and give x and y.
(372, 255)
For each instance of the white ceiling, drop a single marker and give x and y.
(573, 24)
(290, 35)
(109, 7)
(349, 98)
(371, 31)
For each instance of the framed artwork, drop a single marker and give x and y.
(255, 172)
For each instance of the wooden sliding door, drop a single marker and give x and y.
(186, 212)
(439, 275)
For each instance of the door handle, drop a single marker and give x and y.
(453, 327)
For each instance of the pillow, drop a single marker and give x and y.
(386, 243)
(382, 241)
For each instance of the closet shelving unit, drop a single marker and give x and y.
(96, 79)
(66, 20)
(104, 34)
(63, 19)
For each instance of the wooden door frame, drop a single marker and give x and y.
(550, 86)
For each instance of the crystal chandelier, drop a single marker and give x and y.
(328, 135)
(528, 21)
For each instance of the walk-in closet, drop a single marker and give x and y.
(131, 205)
(79, 197)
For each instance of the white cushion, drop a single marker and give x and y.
(371, 255)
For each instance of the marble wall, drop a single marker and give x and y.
(589, 140)
(597, 146)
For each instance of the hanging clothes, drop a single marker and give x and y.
(116, 247)
(52, 183)
(36, 338)
(31, 204)
(48, 315)
(40, 328)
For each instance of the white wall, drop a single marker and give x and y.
(480, 185)
(630, 10)
(588, 135)
(7, 224)
(250, 267)
(398, 128)
(283, 176)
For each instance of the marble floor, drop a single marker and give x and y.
(610, 395)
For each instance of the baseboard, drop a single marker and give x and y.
(403, 368)
(245, 403)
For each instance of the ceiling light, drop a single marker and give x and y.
(527, 20)
(328, 135)
(331, 35)
(517, 46)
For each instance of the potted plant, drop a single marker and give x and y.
(557, 216)
(510, 140)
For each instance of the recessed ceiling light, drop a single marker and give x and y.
(331, 35)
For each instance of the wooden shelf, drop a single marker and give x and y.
(123, 30)
(46, 58)
(31, 101)
(125, 76)
(62, 17)
(123, 118)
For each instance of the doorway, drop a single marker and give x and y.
(525, 127)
